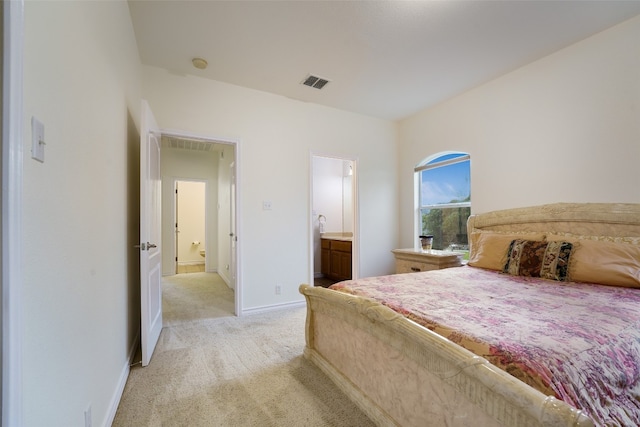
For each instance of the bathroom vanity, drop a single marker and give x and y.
(335, 255)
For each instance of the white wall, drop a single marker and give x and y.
(177, 164)
(276, 137)
(81, 306)
(563, 129)
(327, 192)
(347, 199)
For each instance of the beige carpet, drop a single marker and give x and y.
(195, 296)
(230, 371)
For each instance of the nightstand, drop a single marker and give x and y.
(414, 260)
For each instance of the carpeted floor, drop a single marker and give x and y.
(195, 296)
(228, 371)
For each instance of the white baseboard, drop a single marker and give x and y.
(122, 381)
(266, 308)
(225, 278)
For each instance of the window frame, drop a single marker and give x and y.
(427, 164)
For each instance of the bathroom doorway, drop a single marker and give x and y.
(333, 218)
(190, 226)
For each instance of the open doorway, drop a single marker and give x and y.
(334, 248)
(196, 217)
(191, 227)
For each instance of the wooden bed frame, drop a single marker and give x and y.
(402, 374)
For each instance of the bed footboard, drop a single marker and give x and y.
(402, 374)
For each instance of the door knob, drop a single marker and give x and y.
(145, 246)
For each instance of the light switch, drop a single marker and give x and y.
(266, 205)
(37, 140)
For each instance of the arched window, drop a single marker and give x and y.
(444, 197)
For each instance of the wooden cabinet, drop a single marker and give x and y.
(414, 260)
(336, 259)
(325, 257)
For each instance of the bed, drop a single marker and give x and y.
(405, 362)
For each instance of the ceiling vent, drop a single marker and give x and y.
(186, 144)
(315, 82)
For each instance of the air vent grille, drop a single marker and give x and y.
(186, 144)
(315, 81)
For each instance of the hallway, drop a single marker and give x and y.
(195, 296)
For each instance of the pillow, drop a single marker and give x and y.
(607, 263)
(489, 248)
(548, 260)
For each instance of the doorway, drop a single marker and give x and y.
(199, 164)
(190, 226)
(333, 219)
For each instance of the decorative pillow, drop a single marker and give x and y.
(607, 263)
(489, 248)
(548, 260)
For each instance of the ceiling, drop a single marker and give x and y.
(386, 59)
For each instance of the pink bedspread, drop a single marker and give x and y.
(577, 341)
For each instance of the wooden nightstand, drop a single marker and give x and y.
(414, 260)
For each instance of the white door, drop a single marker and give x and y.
(150, 253)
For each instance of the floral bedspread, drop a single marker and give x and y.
(579, 342)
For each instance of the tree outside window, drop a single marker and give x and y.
(445, 200)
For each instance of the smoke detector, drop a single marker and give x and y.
(315, 82)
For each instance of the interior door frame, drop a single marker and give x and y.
(355, 244)
(235, 143)
(12, 139)
(233, 231)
